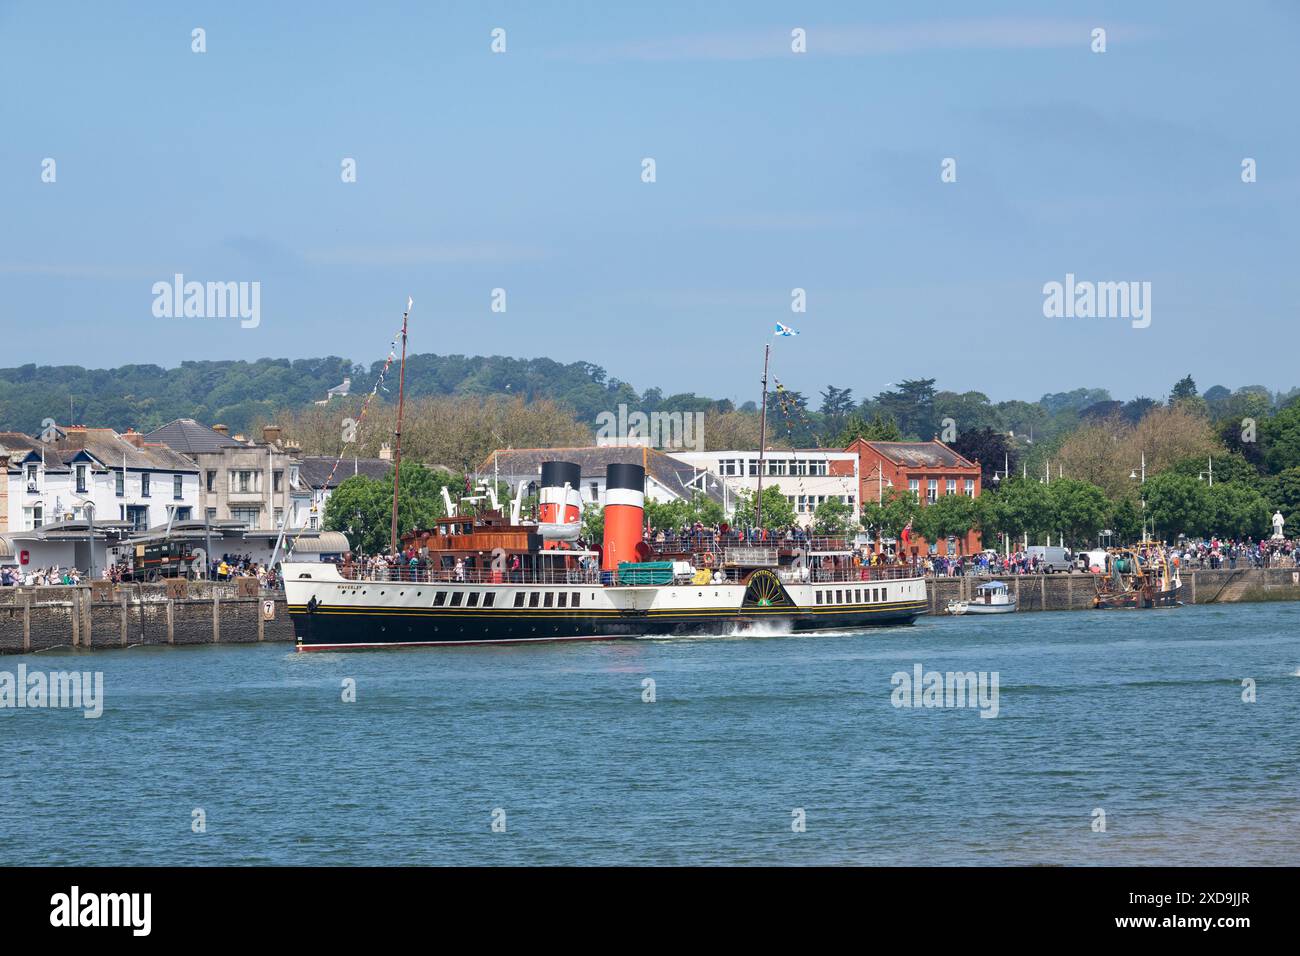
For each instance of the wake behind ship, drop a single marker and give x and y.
(486, 579)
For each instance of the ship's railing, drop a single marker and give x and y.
(701, 542)
(580, 576)
(832, 575)
(468, 576)
(750, 557)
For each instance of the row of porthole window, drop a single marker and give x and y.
(563, 599)
(852, 596)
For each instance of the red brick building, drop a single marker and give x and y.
(928, 468)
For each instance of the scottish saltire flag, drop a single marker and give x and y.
(785, 331)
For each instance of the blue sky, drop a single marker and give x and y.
(775, 170)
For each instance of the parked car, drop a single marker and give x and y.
(1050, 558)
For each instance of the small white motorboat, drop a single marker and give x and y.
(990, 598)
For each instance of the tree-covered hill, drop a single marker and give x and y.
(239, 393)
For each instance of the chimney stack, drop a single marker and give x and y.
(134, 437)
(271, 434)
(74, 438)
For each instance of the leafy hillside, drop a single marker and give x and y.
(239, 393)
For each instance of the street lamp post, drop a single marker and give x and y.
(88, 509)
(1143, 480)
(1209, 472)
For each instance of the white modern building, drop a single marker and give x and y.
(806, 476)
(666, 478)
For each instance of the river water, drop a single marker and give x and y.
(756, 750)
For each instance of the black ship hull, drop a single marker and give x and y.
(332, 628)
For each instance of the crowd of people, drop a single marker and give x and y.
(39, 577)
(1207, 554)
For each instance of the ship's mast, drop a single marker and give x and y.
(397, 435)
(762, 442)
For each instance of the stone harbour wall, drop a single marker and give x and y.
(194, 612)
(170, 613)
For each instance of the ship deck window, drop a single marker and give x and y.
(489, 599)
(577, 599)
(519, 599)
(473, 599)
(819, 597)
(440, 599)
(550, 599)
(532, 599)
(857, 596)
(456, 597)
(564, 599)
(839, 597)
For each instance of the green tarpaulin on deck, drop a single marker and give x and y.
(648, 572)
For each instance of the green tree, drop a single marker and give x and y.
(1283, 494)
(951, 516)
(1079, 509)
(832, 517)
(1280, 436)
(1238, 511)
(778, 513)
(1023, 509)
(879, 428)
(1183, 389)
(1125, 520)
(886, 518)
(365, 505)
(1178, 504)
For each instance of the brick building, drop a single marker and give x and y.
(928, 468)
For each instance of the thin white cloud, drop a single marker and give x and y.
(424, 254)
(863, 40)
(71, 271)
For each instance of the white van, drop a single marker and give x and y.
(1050, 558)
(1099, 559)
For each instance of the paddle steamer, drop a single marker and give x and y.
(486, 579)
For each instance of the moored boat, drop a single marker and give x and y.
(992, 597)
(1140, 577)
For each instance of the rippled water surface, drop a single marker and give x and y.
(1139, 714)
